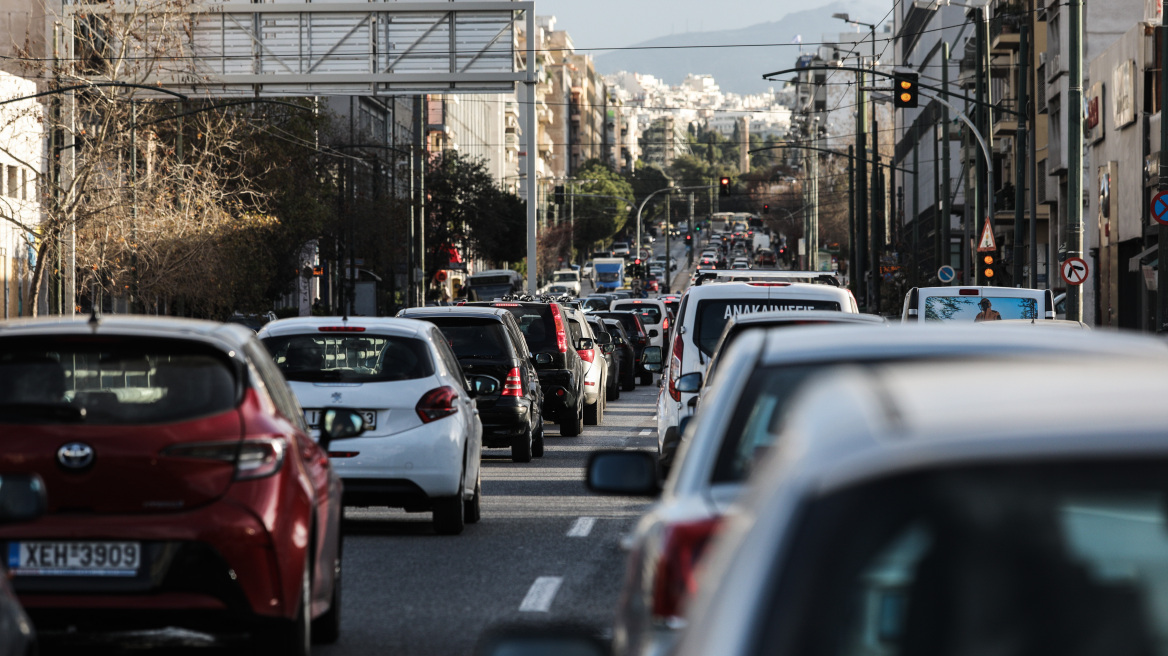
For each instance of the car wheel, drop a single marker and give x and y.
(473, 510)
(326, 629)
(630, 383)
(574, 427)
(521, 447)
(294, 637)
(613, 391)
(592, 413)
(537, 441)
(449, 514)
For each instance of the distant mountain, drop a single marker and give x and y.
(740, 70)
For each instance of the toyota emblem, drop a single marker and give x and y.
(75, 455)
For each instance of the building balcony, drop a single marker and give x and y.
(1004, 35)
(1005, 122)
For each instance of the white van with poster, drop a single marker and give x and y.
(977, 304)
(701, 317)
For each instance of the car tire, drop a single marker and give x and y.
(294, 637)
(574, 427)
(326, 629)
(537, 441)
(521, 447)
(613, 391)
(647, 378)
(473, 506)
(630, 383)
(449, 515)
(593, 413)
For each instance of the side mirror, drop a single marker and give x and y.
(478, 385)
(629, 473)
(22, 498)
(542, 358)
(586, 344)
(603, 338)
(340, 424)
(653, 332)
(651, 359)
(691, 382)
(607, 348)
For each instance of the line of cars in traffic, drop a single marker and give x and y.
(833, 482)
(192, 475)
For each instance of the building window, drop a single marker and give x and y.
(12, 190)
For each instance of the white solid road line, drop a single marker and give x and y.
(539, 598)
(582, 527)
(647, 431)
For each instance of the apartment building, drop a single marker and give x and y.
(21, 165)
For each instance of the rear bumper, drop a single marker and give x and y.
(429, 456)
(218, 560)
(561, 396)
(508, 418)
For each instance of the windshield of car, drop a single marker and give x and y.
(1016, 559)
(973, 309)
(713, 314)
(474, 339)
(537, 325)
(115, 380)
(566, 277)
(649, 313)
(608, 276)
(363, 358)
(595, 303)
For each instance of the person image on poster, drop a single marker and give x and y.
(987, 314)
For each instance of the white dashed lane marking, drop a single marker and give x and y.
(582, 527)
(541, 594)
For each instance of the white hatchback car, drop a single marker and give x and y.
(423, 437)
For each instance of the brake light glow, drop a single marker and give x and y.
(561, 334)
(587, 355)
(506, 305)
(970, 292)
(676, 578)
(675, 367)
(769, 284)
(436, 404)
(253, 458)
(513, 385)
(341, 329)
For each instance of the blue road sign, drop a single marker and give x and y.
(946, 274)
(1160, 207)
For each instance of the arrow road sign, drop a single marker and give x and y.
(1160, 207)
(946, 274)
(1074, 270)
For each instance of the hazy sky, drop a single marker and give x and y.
(615, 23)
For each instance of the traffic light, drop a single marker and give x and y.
(688, 238)
(904, 90)
(766, 208)
(989, 267)
(559, 195)
(725, 187)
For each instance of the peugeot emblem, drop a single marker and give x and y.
(336, 397)
(75, 455)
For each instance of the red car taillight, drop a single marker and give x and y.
(587, 355)
(675, 367)
(561, 334)
(436, 404)
(676, 578)
(513, 386)
(255, 458)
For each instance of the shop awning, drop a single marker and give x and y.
(1133, 263)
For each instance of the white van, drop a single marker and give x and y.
(569, 278)
(976, 304)
(701, 317)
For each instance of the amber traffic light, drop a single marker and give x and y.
(904, 89)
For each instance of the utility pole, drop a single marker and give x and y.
(876, 236)
(421, 137)
(1074, 228)
(915, 273)
(1033, 282)
(813, 232)
(852, 223)
(1162, 229)
(668, 221)
(572, 220)
(864, 294)
(979, 203)
(1020, 151)
(944, 208)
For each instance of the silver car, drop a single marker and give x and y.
(735, 425)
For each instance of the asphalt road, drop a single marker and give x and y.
(546, 550)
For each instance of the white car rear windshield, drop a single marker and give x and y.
(713, 314)
(972, 309)
(362, 358)
(649, 313)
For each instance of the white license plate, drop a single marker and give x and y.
(74, 558)
(312, 418)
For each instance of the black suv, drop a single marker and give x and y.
(637, 337)
(628, 356)
(560, 369)
(488, 341)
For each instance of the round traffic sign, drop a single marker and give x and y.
(1160, 207)
(1074, 270)
(946, 274)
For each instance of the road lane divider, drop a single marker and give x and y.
(582, 527)
(647, 431)
(541, 594)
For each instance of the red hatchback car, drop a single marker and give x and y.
(184, 489)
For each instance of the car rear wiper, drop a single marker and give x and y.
(53, 411)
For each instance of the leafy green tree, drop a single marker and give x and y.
(602, 198)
